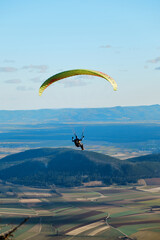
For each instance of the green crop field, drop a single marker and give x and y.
(80, 213)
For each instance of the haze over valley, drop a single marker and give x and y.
(136, 136)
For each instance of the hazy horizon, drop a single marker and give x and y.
(51, 108)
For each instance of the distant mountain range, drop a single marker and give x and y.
(114, 114)
(69, 168)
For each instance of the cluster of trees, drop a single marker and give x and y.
(124, 175)
(69, 168)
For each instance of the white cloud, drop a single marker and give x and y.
(13, 81)
(146, 67)
(106, 46)
(155, 60)
(9, 61)
(8, 69)
(40, 68)
(23, 88)
(158, 68)
(76, 81)
(36, 79)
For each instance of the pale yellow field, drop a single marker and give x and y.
(31, 200)
(85, 228)
(99, 230)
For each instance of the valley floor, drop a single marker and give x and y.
(96, 213)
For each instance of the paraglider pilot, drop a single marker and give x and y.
(77, 142)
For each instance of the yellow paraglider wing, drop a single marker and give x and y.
(75, 72)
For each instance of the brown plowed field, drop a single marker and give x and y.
(116, 225)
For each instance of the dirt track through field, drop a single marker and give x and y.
(85, 228)
(98, 230)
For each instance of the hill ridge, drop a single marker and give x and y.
(143, 113)
(69, 167)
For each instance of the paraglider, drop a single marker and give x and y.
(77, 141)
(75, 72)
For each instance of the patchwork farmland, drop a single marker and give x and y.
(96, 213)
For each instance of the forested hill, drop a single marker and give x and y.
(68, 167)
(113, 114)
(147, 158)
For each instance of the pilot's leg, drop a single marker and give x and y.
(82, 146)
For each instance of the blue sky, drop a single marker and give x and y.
(42, 37)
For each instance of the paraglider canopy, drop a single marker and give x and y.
(75, 72)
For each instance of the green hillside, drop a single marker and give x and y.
(147, 158)
(68, 167)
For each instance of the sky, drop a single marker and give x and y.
(39, 38)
